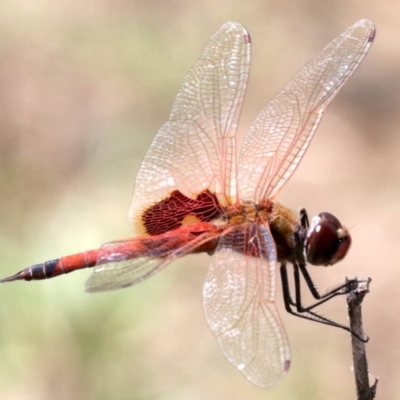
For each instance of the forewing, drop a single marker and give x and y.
(280, 135)
(195, 149)
(239, 304)
(126, 263)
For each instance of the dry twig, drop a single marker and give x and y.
(354, 300)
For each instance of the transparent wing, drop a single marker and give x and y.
(128, 262)
(239, 303)
(195, 149)
(120, 274)
(280, 135)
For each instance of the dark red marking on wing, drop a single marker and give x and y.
(177, 210)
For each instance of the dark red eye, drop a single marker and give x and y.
(327, 241)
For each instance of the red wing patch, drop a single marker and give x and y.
(177, 210)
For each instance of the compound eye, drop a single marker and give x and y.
(327, 241)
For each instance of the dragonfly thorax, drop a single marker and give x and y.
(249, 211)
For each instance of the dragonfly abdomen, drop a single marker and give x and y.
(58, 266)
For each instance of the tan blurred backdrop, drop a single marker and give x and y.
(84, 86)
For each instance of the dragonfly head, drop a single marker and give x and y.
(327, 241)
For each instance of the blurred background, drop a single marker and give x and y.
(84, 86)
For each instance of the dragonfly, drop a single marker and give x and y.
(195, 192)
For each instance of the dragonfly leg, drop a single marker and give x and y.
(296, 308)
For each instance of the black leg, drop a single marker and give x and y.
(338, 290)
(304, 219)
(305, 312)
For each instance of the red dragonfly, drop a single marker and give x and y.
(193, 195)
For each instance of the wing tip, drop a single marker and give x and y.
(367, 25)
(237, 26)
